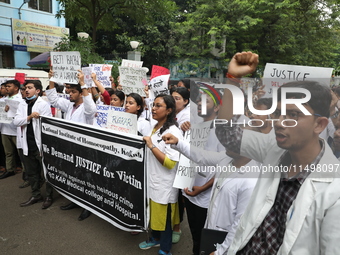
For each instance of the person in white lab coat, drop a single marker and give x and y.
(295, 205)
(27, 118)
(232, 186)
(80, 108)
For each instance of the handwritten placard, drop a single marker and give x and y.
(122, 121)
(103, 73)
(87, 71)
(132, 63)
(275, 75)
(133, 80)
(102, 114)
(159, 85)
(3, 115)
(186, 172)
(65, 66)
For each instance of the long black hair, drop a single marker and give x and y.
(184, 92)
(171, 117)
(139, 100)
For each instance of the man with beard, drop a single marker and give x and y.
(295, 205)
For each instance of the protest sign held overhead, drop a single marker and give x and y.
(87, 71)
(65, 66)
(275, 75)
(133, 80)
(132, 63)
(98, 169)
(103, 72)
(159, 81)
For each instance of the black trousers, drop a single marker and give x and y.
(196, 218)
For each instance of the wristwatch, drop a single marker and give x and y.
(152, 147)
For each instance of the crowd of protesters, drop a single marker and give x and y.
(261, 212)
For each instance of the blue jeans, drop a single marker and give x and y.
(165, 236)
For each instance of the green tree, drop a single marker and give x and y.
(106, 14)
(85, 48)
(303, 32)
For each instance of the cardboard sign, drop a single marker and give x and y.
(275, 75)
(13, 107)
(132, 63)
(122, 121)
(159, 85)
(87, 76)
(186, 172)
(65, 66)
(133, 80)
(3, 115)
(103, 73)
(103, 113)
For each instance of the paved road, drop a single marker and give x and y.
(31, 230)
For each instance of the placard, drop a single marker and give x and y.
(65, 66)
(102, 114)
(275, 75)
(103, 72)
(13, 107)
(122, 122)
(132, 63)
(3, 115)
(87, 71)
(133, 80)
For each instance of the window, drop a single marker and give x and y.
(41, 5)
(5, 1)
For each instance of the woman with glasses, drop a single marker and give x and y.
(162, 162)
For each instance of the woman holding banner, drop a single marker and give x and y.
(162, 162)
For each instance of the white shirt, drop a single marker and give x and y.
(9, 128)
(161, 178)
(84, 113)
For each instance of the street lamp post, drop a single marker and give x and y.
(134, 55)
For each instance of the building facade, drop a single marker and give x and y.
(37, 12)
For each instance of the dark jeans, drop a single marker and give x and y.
(34, 168)
(196, 219)
(165, 236)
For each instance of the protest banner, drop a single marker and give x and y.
(132, 63)
(87, 71)
(65, 66)
(98, 169)
(102, 114)
(13, 107)
(275, 75)
(122, 122)
(3, 115)
(133, 80)
(186, 171)
(103, 73)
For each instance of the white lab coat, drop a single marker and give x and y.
(20, 120)
(85, 113)
(231, 196)
(312, 224)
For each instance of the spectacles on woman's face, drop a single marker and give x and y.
(157, 106)
(290, 114)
